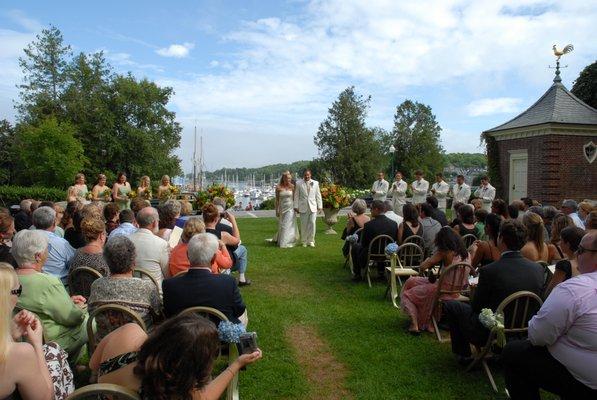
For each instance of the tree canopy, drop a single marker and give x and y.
(585, 86)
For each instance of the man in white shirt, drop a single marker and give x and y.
(391, 214)
(398, 193)
(307, 203)
(420, 187)
(560, 354)
(440, 191)
(461, 192)
(152, 252)
(570, 208)
(486, 193)
(379, 190)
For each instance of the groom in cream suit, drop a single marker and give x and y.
(307, 202)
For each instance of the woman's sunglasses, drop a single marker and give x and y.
(17, 292)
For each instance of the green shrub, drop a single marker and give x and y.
(268, 204)
(10, 195)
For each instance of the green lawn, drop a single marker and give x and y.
(324, 337)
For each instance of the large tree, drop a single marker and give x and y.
(49, 153)
(585, 86)
(7, 162)
(416, 138)
(44, 76)
(348, 149)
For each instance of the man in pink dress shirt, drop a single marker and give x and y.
(560, 355)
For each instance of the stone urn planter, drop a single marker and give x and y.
(330, 217)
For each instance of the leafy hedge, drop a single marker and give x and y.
(10, 195)
(268, 204)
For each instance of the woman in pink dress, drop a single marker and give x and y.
(418, 293)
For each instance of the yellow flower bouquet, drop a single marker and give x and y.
(334, 196)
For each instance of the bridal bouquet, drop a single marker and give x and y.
(107, 194)
(216, 190)
(146, 194)
(89, 196)
(132, 194)
(171, 193)
(492, 321)
(334, 196)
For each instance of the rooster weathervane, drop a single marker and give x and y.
(559, 53)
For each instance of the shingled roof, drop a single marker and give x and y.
(558, 106)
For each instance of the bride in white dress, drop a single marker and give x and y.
(287, 228)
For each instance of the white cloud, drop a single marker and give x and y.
(500, 105)
(25, 22)
(176, 50)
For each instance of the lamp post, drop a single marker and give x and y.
(393, 153)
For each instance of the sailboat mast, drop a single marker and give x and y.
(195, 162)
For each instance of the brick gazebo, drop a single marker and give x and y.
(548, 152)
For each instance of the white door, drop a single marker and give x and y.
(518, 175)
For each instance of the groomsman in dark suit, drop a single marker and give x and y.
(510, 274)
(379, 225)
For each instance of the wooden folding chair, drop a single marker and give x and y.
(107, 318)
(409, 258)
(395, 272)
(469, 239)
(517, 309)
(143, 274)
(115, 392)
(452, 281)
(232, 392)
(547, 275)
(80, 280)
(348, 262)
(415, 239)
(377, 253)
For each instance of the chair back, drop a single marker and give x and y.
(182, 273)
(416, 239)
(546, 277)
(143, 274)
(80, 280)
(214, 315)
(359, 233)
(518, 309)
(377, 248)
(410, 255)
(469, 239)
(109, 317)
(103, 390)
(453, 279)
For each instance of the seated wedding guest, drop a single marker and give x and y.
(568, 267)
(466, 226)
(477, 204)
(528, 203)
(60, 251)
(214, 217)
(67, 218)
(570, 208)
(59, 215)
(356, 219)
(138, 203)
(418, 293)
(378, 225)
(111, 212)
(437, 214)
(127, 224)
(90, 255)
(7, 231)
(558, 224)
(592, 220)
(486, 252)
(584, 209)
(455, 218)
(186, 208)
(513, 211)
(23, 219)
(169, 212)
(120, 287)
(411, 225)
(29, 369)
(536, 249)
(510, 274)
(560, 353)
(34, 206)
(391, 214)
(220, 203)
(480, 216)
(430, 228)
(128, 357)
(62, 315)
(152, 252)
(199, 287)
(519, 204)
(549, 213)
(179, 260)
(73, 235)
(499, 207)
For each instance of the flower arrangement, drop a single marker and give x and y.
(354, 238)
(230, 332)
(392, 248)
(357, 194)
(491, 321)
(216, 190)
(334, 196)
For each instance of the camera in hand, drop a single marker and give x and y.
(248, 342)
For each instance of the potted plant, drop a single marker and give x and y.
(334, 197)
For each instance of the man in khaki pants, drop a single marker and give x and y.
(307, 202)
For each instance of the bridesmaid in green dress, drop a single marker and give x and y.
(120, 192)
(79, 190)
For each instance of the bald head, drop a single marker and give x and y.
(148, 218)
(587, 253)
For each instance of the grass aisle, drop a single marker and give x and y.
(324, 337)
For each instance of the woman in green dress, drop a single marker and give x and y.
(120, 192)
(101, 192)
(79, 190)
(63, 317)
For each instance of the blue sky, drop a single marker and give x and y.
(259, 76)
